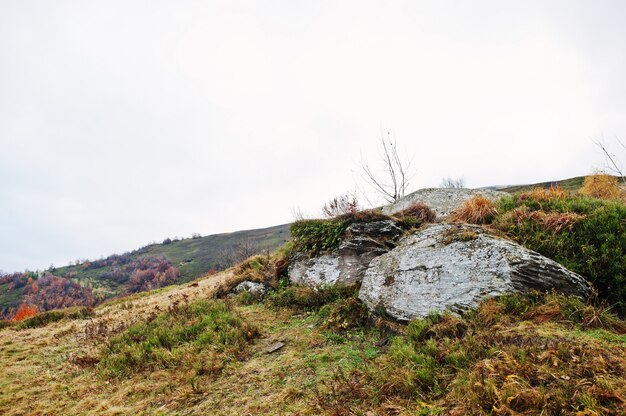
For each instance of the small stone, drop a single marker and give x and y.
(253, 288)
(382, 342)
(274, 347)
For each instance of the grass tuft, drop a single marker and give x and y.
(476, 210)
(419, 212)
(544, 194)
(307, 298)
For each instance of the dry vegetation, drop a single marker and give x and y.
(192, 349)
(476, 210)
(516, 355)
(603, 186)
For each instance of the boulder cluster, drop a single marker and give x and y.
(441, 266)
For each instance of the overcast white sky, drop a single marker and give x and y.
(123, 122)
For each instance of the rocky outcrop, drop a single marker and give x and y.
(346, 264)
(253, 288)
(441, 200)
(453, 266)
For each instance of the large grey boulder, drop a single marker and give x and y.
(453, 266)
(441, 200)
(345, 265)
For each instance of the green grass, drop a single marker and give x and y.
(604, 335)
(194, 257)
(519, 354)
(571, 184)
(494, 359)
(209, 329)
(10, 298)
(313, 236)
(594, 245)
(304, 298)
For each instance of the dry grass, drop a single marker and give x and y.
(476, 210)
(517, 355)
(550, 221)
(420, 211)
(53, 370)
(603, 186)
(544, 194)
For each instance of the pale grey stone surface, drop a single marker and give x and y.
(252, 287)
(433, 270)
(347, 263)
(441, 200)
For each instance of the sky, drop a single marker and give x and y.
(126, 122)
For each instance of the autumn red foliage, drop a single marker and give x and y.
(151, 273)
(24, 311)
(53, 292)
(50, 291)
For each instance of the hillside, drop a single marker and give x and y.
(571, 185)
(158, 265)
(194, 257)
(519, 355)
(186, 259)
(205, 348)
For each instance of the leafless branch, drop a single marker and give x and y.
(449, 182)
(611, 161)
(394, 181)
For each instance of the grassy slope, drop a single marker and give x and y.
(193, 257)
(319, 371)
(571, 184)
(10, 297)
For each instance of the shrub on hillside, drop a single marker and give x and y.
(588, 236)
(25, 311)
(602, 186)
(48, 317)
(54, 292)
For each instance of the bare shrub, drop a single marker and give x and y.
(392, 183)
(449, 182)
(346, 204)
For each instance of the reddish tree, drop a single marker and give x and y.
(24, 311)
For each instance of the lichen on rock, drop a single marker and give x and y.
(428, 271)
